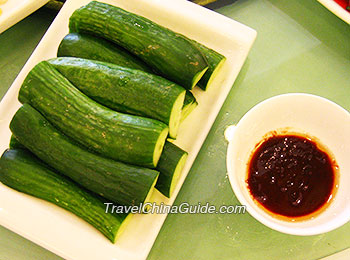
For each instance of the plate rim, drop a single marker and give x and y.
(10, 17)
(336, 9)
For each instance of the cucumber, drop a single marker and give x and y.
(190, 103)
(127, 138)
(54, 5)
(125, 90)
(94, 48)
(215, 61)
(22, 171)
(170, 167)
(15, 144)
(169, 53)
(121, 183)
(203, 2)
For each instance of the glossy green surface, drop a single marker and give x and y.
(301, 47)
(170, 55)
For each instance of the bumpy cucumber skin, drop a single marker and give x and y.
(127, 138)
(169, 53)
(15, 144)
(213, 58)
(167, 164)
(95, 48)
(22, 171)
(121, 183)
(122, 89)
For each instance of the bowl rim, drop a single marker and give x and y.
(268, 221)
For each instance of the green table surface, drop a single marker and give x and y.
(301, 47)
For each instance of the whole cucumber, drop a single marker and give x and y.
(123, 137)
(96, 48)
(121, 183)
(168, 52)
(125, 90)
(22, 171)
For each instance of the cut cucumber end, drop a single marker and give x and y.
(126, 221)
(198, 76)
(189, 98)
(122, 227)
(159, 146)
(150, 192)
(187, 110)
(215, 72)
(175, 116)
(177, 173)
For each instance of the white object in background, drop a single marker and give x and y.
(65, 234)
(14, 11)
(336, 9)
(342, 255)
(299, 113)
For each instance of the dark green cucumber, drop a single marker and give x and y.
(22, 171)
(15, 144)
(170, 167)
(95, 48)
(190, 103)
(125, 90)
(116, 181)
(171, 54)
(127, 138)
(215, 61)
(54, 5)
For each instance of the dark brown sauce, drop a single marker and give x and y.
(290, 176)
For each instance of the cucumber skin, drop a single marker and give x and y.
(127, 138)
(190, 103)
(15, 144)
(122, 89)
(167, 164)
(121, 183)
(213, 59)
(22, 171)
(93, 48)
(167, 52)
(189, 99)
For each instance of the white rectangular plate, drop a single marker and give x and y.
(336, 9)
(62, 232)
(14, 11)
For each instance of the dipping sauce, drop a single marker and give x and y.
(291, 176)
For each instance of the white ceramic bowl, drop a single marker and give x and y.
(302, 113)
